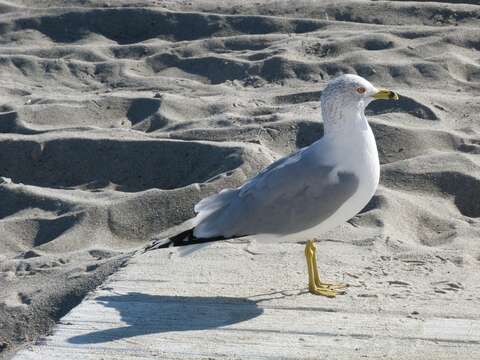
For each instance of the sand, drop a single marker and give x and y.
(116, 117)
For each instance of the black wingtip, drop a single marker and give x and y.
(175, 240)
(182, 239)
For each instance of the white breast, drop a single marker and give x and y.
(358, 155)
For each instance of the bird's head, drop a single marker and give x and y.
(345, 98)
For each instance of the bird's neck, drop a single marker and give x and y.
(343, 117)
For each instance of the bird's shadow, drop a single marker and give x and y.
(149, 314)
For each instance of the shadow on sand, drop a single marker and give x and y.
(149, 314)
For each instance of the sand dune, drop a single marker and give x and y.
(117, 117)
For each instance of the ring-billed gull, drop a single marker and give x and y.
(312, 190)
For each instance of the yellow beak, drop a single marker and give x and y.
(385, 94)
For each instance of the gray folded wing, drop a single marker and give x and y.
(291, 195)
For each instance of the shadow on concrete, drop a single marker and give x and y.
(149, 314)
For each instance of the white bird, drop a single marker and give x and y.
(312, 190)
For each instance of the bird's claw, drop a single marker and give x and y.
(329, 290)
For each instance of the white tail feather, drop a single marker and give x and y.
(215, 202)
(208, 207)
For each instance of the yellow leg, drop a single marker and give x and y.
(315, 285)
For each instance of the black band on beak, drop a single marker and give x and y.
(385, 95)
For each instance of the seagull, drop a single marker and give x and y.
(310, 191)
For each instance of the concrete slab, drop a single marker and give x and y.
(242, 300)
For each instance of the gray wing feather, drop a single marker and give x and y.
(291, 195)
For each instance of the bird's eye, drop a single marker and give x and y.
(361, 90)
